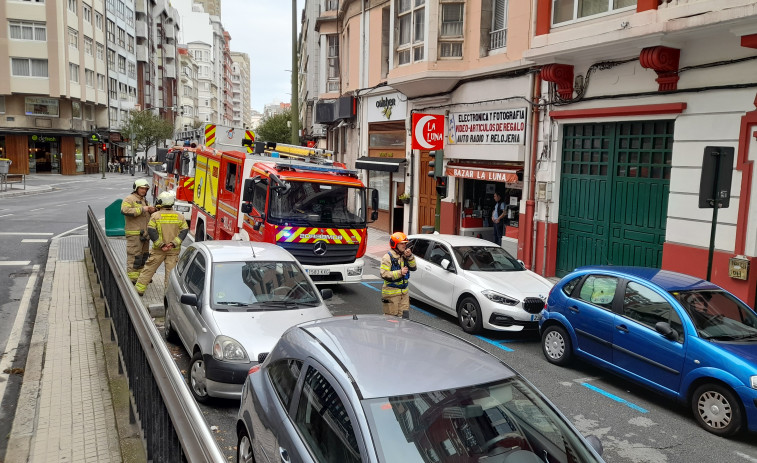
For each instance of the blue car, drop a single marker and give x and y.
(681, 336)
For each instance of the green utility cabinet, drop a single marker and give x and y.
(114, 220)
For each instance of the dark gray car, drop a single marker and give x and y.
(381, 389)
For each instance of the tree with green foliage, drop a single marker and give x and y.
(275, 128)
(146, 129)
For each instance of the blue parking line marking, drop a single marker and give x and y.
(368, 284)
(615, 398)
(495, 343)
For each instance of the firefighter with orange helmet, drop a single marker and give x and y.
(167, 229)
(396, 266)
(136, 213)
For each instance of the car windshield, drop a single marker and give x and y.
(318, 204)
(260, 286)
(719, 316)
(486, 259)
(485, 423)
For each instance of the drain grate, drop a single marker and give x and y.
(71, 248)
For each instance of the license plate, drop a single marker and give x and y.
(536, 317)
(318, 271)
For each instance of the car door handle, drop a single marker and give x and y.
(284, 454)
(573, 309)
(622, 328)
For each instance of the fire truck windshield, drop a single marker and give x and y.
(318, 204)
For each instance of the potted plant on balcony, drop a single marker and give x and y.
(404, 198)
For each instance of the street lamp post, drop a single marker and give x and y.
(295, 68)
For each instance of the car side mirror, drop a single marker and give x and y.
(374, 216)
(327, 293)
(374, 199)
(447, 265)
(248, 192)
(189, 299)
(596, 444)
(665, 329)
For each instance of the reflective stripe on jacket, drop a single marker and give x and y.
(167, 226)
(134, 209)
(391, 271)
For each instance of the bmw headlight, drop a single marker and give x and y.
(499, 298)
(753, 380)
(228, 349)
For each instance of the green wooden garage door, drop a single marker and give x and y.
(614, 194)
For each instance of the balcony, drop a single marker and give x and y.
(169, 51)
(627, 31)
(170, 32)
(169, 71)
(140, 29)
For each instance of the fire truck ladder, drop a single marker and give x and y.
(283, 150)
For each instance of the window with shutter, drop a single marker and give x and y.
(498, 33)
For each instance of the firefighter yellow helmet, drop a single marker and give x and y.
(397, 238)
(166, 199)
(139, 183)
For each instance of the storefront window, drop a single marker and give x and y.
(79, 153)
(91, 154)
(381, 182)
(381, 139)
(76, 110)
(478, 202)
(41, 106)
(2, 147)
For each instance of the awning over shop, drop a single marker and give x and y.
(475, 172)
(382, 164)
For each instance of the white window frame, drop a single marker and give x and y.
(30, 62)
(332, 63)
(414, 48)
(330, 5)
(452, 39)
(100, 51)
(101, 82)
(73, 38)
(89, 76)
(576, 18)
(73, 6)
(98, 20)
(86, 12)
(2, 105)
(498, 32)
(89, 46)
(73, 72)
(35, 26)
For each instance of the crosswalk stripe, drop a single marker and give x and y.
(14, 262)
(24, 234)
(34, 240)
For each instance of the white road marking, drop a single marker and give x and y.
(34, 240)
(18, 326)
(24, 234)
(37, 209)
(9, 263)
(6, 215)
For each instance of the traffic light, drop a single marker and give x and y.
(441, 186)
(104, 147)
(436, 163)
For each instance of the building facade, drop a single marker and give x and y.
(52, 90)
(240, 89)
(189, 118)
(206, 111)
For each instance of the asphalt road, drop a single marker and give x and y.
(27, 224)
(634, 425)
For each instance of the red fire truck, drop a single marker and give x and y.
(293, 196)
(178, 177)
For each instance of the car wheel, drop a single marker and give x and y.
(196, 379)
(168, 331)
(717, 409)
(469, 315)
(244, 447)
(555, 344)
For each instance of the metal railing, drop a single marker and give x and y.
(173, 427)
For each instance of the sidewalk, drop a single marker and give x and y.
(18, 191)
(65, 410)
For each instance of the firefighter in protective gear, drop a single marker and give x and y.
(167, 229)
(396, 266)
(136, 213)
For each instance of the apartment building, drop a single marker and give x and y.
(52, 91)
(207, 110)
(638, 90)
(189, 118)
(240, 90)
(226, 77)
(120, 53)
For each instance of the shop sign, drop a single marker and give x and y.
(44, 139)
(501, 127)
(115, 137)
(390, 107)
(428, 131)
(483, 174)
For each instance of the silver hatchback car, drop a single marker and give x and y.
(381, 389)
(229, 301)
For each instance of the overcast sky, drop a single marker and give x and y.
(262, 29)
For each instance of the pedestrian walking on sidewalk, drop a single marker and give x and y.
(167, 230)
(136, 211)
(396, 266)
(499, 213)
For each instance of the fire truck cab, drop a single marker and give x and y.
(292, 196)
(179, 177)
